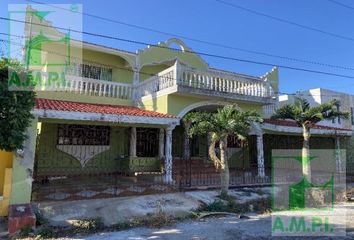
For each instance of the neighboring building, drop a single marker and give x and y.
(318, 96)
(114, 128)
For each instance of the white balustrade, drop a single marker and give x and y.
(163, 80)
(205, 79)
(176, 75)
(94, 87)
(224, 82)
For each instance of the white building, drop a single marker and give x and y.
(318, 96)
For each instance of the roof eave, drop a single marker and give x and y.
(103, 117)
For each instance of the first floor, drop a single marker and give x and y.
(84, 161)
(122, 151)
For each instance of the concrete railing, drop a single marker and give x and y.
(212, 80)
(91, 87)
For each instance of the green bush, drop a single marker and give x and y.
(25, 232)
(44, 233)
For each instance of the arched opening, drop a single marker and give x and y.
(197, 168)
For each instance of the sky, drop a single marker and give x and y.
(212, 21)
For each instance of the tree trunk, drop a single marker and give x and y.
(306, 169)
(224, 167)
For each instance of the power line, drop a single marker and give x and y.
(286, 21)
(341, 4)
(186, 51)
(198, 40)
(156, 75)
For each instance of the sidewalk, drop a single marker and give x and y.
(115, 210)
(226, 228)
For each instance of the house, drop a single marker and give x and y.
(318, 96)
(110, 125)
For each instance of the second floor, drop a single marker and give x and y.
(99, 74)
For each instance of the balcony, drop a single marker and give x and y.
(89, 87)
(213, 83)
(175, 79)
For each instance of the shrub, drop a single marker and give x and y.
(44, 233)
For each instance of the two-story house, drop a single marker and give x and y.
(110, 123)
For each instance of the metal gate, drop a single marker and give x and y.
(75, 162)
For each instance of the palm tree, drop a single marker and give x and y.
(306, 117)
(218, 126)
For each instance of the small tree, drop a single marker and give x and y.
(306, 117)
(219, 126)
(15, 110)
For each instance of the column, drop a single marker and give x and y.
(186, 141)
(22, 169)
(136, 80)
(260, 155)
(133, 142)
(168, 155)
(161, 143)
(338, 155)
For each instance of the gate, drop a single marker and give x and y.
(74, 162)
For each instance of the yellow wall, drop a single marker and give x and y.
(158, 104)
(148, 71)
(4, 203)
(162, 54)
(67, 96)
(176, 103)
(5, 162)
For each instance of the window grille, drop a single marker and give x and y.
(83, 135)
(89, 71)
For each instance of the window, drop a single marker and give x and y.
(89, 71)
(83, 135)
(352, 114)
(147, 142)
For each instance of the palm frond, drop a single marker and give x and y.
(284, 112)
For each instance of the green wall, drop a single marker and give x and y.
(52, 161)
(292, 142)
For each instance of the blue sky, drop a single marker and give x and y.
(215, 22)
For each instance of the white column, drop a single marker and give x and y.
(22, 169)
(133, 142)
(260, 156)
(168, 155)
(161, 143)
(338, 155)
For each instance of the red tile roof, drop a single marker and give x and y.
(59, 105)
(289, 123)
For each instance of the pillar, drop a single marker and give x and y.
(162, 143)
(168, 155)
(260, 155)
(338, 155)
(22, 169)
(133, 142)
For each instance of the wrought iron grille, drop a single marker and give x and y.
(147, 142)
(83, 135)
(89, 71)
